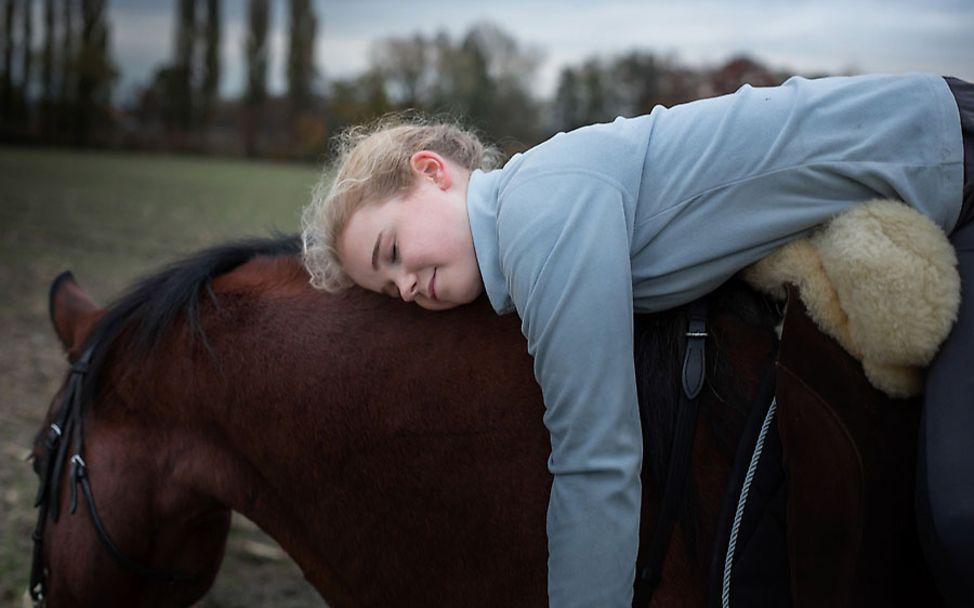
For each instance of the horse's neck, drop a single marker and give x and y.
(320, 431)
(249, 459)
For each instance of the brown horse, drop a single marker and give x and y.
(398, 456)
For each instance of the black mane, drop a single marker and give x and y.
(153, 306)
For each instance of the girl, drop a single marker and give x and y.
(650, 213)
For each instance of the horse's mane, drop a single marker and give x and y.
(153, 306)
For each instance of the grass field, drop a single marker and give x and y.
(110, 218)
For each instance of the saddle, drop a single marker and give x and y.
(819, 507)
(829, 520)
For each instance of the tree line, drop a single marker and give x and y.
(484, 77)
(65, 95)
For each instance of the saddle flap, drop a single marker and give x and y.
(848, 451)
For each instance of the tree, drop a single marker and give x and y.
(634, 84)
(211, 63)
(358, 100)
(567, 105)
(47, 68)
(6, 79)
(255, 50)
(95, 71)
(474, 87)
(300, 61)
(599, 91)
(593, 92)
(484, 79)
(306, 128)
(405, 65)
(187, 88)
(512, 114)
(67, 57)
(180, 79)
(27, 54)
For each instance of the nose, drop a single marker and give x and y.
(408, 285)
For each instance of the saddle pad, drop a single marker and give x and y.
(882, 280)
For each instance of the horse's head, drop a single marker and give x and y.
(113, 528)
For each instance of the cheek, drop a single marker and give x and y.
(462, 248)
(469, 284)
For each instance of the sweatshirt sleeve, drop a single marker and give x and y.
(564, 248)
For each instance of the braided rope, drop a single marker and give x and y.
(741, 501)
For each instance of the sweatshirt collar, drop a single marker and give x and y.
(482, 208)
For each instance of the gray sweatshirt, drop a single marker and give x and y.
(652, 212)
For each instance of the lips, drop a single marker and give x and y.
(432, 285)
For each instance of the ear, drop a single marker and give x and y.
(429, 164)
(73, 312)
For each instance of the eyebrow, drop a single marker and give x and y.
(375, 252)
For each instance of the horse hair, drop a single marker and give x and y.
(154, 305)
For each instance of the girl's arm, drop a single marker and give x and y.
(564, 247)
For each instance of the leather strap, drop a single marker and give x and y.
(80, 476)
(674, 487)
(695, 360)
(68, 431)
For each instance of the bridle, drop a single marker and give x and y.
(68, 431)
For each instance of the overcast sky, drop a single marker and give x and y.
(804, 36)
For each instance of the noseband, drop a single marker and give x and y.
(68, 431)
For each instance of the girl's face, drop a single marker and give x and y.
(417, 247)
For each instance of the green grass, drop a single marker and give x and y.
(111, 217)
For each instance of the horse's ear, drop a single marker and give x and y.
(73, 312)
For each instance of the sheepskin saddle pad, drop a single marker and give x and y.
(881, 279)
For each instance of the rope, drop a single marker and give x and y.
(741, 501)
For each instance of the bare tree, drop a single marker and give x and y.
(406, 65)
(487, 79)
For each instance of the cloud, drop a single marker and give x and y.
(803, 35)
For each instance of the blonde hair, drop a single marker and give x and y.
(373, 166)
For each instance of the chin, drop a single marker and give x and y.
(438, 305)
(448, 304)
(465, 297)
